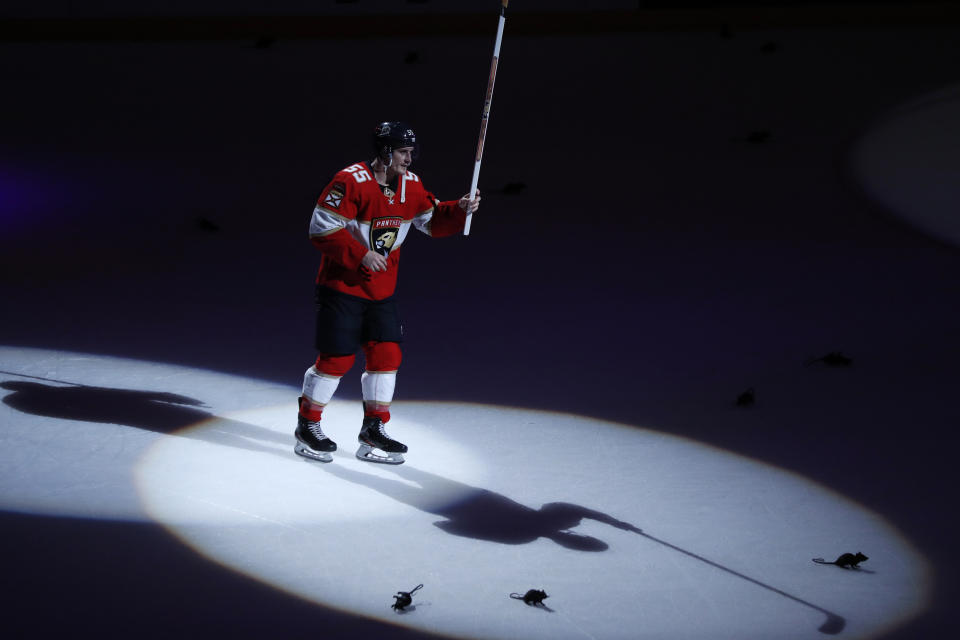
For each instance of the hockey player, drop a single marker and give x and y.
(359, 224)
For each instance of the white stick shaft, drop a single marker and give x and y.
(485, 117)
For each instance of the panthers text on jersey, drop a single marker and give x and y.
(354, 214)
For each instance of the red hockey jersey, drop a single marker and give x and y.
(354, 215)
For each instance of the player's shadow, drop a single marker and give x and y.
(156, 411)
(481, 514)
(484, 515)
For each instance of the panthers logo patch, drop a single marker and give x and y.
(384, 233)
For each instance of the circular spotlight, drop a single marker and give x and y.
(909, 163)
(628, 530)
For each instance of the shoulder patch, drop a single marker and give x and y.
(335, 195)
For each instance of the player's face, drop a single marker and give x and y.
(402, 158)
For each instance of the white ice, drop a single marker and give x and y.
(625, 527)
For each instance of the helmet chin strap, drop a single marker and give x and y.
(403, 179)
(383, 163)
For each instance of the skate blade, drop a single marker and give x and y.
(371, 454)
(303, 450)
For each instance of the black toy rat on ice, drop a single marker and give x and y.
(846, 561)
(531, 597)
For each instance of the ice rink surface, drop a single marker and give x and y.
(669, 219)
(474, 515)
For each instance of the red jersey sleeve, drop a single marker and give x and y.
(336, 207)
(441, 218)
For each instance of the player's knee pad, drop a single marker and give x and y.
(382, 356)
(332, 365)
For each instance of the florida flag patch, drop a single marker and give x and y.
(335, 195)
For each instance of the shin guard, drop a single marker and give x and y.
(322, 379)
(380, 378)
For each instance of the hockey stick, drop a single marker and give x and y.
(23, 375)
(486, 110)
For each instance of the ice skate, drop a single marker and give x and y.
(376, 445)
(311, 441)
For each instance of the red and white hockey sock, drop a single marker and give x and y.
(321, 381)
(378, 389)
(380, 377)
(309, 410)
